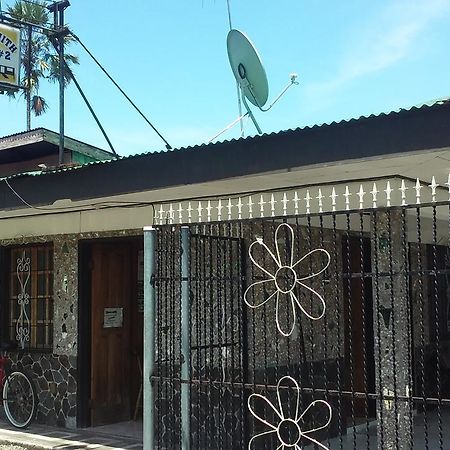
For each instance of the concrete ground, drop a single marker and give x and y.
(118, 436)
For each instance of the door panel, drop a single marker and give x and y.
(110, 361)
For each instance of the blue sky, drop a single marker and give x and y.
(353, 57)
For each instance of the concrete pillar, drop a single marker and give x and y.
(392, 330)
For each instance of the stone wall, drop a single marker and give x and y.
(56, 373)
(55, 379)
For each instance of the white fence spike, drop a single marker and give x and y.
(261, 205)
(199, 211)
(347, 195)
(361, 194)
(320, 198)
(418, 187)
(308, 202)
(250, 207)
(189, 210)
(448, 185)
(403, 188)
(208, 211)
(388, 191)
(219, 208)
(297, 199)
(374, 193)
(433, 187)
(285, 201)
(239, 208)
(333, 197)
(272, 205)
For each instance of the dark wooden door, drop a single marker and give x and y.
(360, 362)
(110, 338)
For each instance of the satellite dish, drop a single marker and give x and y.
(250, 77)
(247, 68)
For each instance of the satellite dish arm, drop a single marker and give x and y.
(292, 81)
(228, 127)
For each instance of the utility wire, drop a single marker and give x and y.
(168, 146)
(72, 76)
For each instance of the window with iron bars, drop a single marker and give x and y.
(30, 293)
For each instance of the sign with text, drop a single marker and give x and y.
(9, 55)
(113, 317)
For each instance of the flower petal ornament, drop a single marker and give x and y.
(287, 428)
(284, 279)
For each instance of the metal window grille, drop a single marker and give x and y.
(31, 296)
(369, 368)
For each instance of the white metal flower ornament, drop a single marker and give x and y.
(285, 279)
(288, 427)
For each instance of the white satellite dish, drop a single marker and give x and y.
(247, 68)
(250, 77)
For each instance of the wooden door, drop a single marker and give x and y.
(110, 337)
(360, 363)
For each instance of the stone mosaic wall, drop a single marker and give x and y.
(55, 378)
(65, 297)
(55, 374)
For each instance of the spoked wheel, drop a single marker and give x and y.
(19, 399)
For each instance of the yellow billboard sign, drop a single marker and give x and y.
(9, 55)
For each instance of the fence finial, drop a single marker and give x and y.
(333, 197)
(418, 187)
(374, 193)
(308, 201)
(250, 207)
(403, 190)
(388, 191)
(361, 194)
(433, 187)
(347, 195)
(320, 197)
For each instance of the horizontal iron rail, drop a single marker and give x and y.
(306, 390)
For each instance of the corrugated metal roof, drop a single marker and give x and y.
(425, 106)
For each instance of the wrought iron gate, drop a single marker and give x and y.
(328, 330)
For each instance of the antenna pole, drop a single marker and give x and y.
(58, 8)
(241, 116)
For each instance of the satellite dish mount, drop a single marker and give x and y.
(250, 76)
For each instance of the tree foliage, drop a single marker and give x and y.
(40, 59)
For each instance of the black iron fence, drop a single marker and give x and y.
(323, 331)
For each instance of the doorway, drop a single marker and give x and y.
(111, 330)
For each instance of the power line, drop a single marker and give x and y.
(168, 146)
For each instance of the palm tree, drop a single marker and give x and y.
(40, 60)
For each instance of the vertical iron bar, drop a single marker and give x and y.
(149, 336)
(377, 329)
(393, 309)
(407, 284)
(437, 326)
(341, 350)
(422, 326)
(185, 339)
(349, 334)
(363, 329)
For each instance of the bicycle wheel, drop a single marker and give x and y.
(19, 399)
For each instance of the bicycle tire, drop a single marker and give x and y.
(19, 399)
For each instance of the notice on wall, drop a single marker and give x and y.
(113, 318)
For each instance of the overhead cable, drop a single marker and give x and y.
(168, 146)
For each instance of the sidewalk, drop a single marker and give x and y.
(45, 437)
